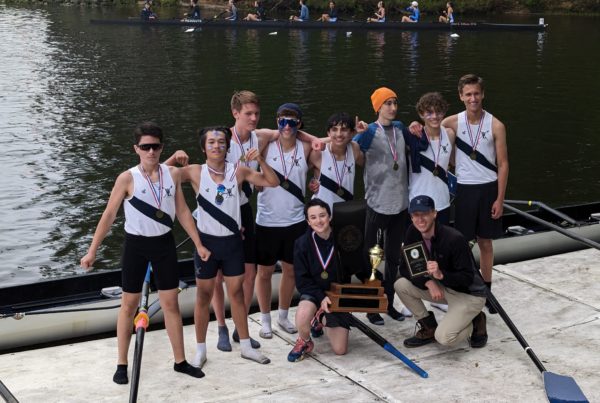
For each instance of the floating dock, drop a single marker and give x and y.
(553, 301)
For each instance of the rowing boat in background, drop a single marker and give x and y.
(340, 25)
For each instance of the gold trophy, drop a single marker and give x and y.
(375, 257)
(368, 297)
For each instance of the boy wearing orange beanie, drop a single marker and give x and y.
(386, 187)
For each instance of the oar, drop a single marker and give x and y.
(155, 306)
(206, 22)
(555, 227)
(544, 207)
(559, 388)
(373, 335)
(141, 322)
(7, 395)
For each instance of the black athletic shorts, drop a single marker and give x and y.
(249, 233)
(226, 254)
(333, 319)
(473, 213)
(158, 250)
(277, 243)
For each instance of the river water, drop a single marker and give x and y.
(71, 92)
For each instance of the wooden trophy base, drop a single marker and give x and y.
(368, 297)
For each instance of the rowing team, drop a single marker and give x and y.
(259, 13)
(399, 165)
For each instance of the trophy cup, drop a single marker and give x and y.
(368, 297)
(375, 257)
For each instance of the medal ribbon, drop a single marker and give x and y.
(340, 178)
(479, 127)
(239, 141)
(324, 264)
(392, 149)
(157, 195)
(285, 171)
(436, 158)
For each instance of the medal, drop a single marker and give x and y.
(339, 177)
(392, 148)
(474, 141)
(436, 158)
(242, 158)
(157, 195)
(285, 184)
(324, 264)
(219, 199)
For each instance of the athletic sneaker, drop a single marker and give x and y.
(300, 349)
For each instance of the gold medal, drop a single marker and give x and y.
(285, 185)
(435, 172)
(324, 275)
(159, 214)
(340, 192)
(395, 167)
(473, 155)
(242, 158)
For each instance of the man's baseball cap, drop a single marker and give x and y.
(421, 203)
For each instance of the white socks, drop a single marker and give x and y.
(200, 357)
(251, 354)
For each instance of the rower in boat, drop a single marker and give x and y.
(448, 14)
(331, 15)
(151, 196)
(379, 14)
(147, 14)
(194, 13)
(413, 9)
(303, 13)
(232, 11)
(217, 184)
(259, 13)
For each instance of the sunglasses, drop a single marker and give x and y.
(291, 122)
(148, 147)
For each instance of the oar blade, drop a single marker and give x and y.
(562, 389)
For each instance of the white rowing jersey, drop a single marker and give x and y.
(234, 155)
(223, 196)
(278, 207)
(136, 222)
(341, 173)
(426, 183)
(469, 171)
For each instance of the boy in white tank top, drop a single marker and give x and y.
(336, 179)
(219, 224)
(483, 160)
(149, 240)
